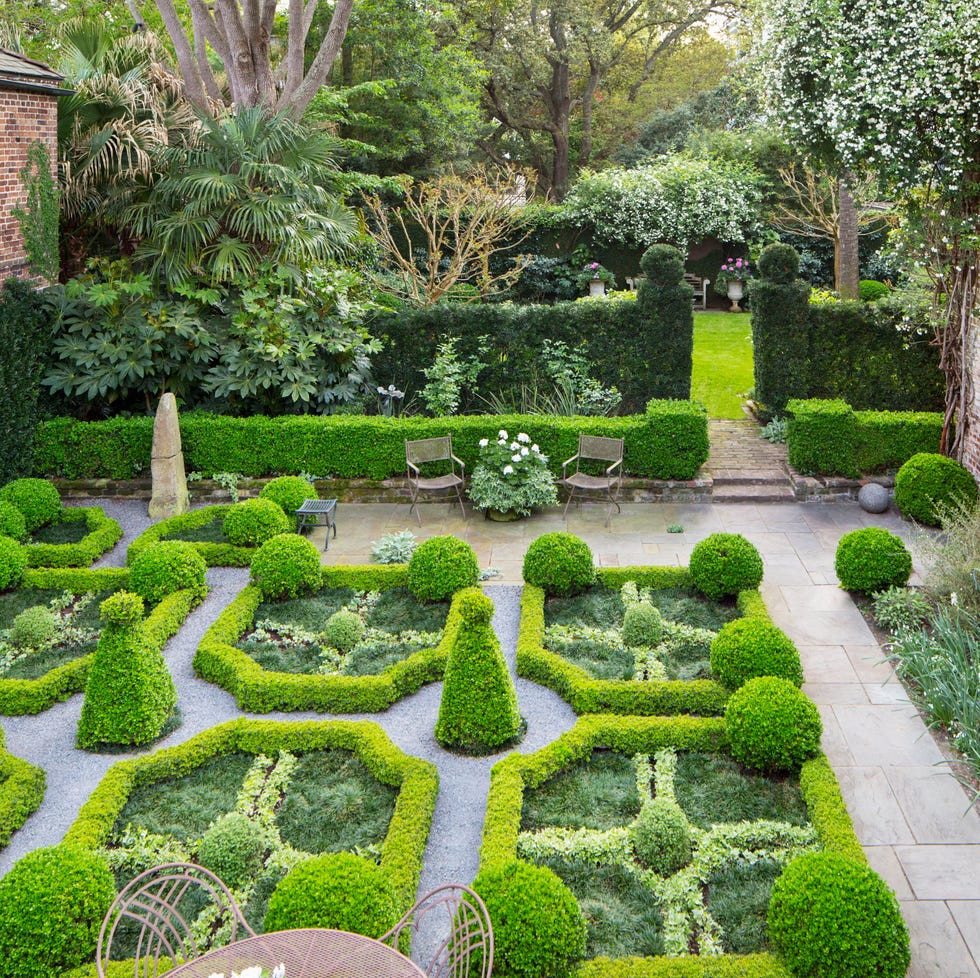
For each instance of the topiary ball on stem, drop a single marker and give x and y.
(12, 523)
(286, 566)
(13, 563)
(723, 564)
(749, 647)
(929, 483)
(289, 492)
(872, 559)
(832, 917)
(440, 567)
(560, 563)
(779, 263)
(663, 265)
(165, 567)
(252, 522)
(37, 499)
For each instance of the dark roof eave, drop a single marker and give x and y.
(18, 86)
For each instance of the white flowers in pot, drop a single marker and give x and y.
(512, 476)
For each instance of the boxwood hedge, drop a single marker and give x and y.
(103, 533)
(21, 791)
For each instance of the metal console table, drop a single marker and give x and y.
(310, 513)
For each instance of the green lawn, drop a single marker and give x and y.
(722, 362)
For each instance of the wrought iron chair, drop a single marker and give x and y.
(151, 900)
(595, 448)
(467, 950)
(418, 453)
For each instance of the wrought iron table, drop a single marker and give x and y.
(309, 515)
(313, 953)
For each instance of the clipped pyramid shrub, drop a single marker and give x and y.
(129, 694)
(479, 711)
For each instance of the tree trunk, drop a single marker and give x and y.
(848, 271)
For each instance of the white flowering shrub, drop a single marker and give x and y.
(512, 476)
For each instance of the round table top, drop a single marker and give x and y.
(311, 953)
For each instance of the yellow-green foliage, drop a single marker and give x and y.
(103, 534)
(214, 554)
(21, 791)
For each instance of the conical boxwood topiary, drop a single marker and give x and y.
(129, 694)
(479, 711)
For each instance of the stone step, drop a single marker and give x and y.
(768, 493)
(742, 477)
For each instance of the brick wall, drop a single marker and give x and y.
(24, 117)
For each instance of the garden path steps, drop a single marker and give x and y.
(745, 467)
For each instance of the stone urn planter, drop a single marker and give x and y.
(502, 515)
(736, 290)
(597, 287)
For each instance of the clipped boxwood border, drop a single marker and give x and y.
(28, 696)
(408, 831)
(259, 690)
(214, 554)
(21, 791)
(585, 693)
(103, 534)
(645, 735)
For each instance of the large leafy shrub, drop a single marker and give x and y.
(252, 522)
(560, 563)
(723, 564)
(749, 647)
(441, 566)
(286, 566)
(37, 499)
(872, 559)
(165, 567)
(927, 482)
(289, 491)
(12, 523)
(13, 563)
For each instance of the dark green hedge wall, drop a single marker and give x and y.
(780, 342)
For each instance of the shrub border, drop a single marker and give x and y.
(21, 792)
(632, 735)
(214, 554)
(585, 693)
(103, 534)
(28, 696)
(408, 831)
(259, 690)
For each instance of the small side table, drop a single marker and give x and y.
(308, 515)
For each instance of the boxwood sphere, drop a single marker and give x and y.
(165, 567)
(872, 559)
(289, 491)
(663, 265)
(252, 522)
(538, 928)
(723, 564)
(286, 566)
(122, 608)
(13, 563)
(831, 917)
(343, 630)
(661, 836)
(750, 647)
(232, 848)
(52, 904)
(771, 725)
(560, 563)
(337, 890)
(642, 625)
(779, 263)
(33, 627)
(440, 567)
(37, 499)
(12, 522)
(927, 483)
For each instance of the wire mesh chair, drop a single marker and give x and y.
(151, 901)
(418, 453)
(467, 950)
(595, 448)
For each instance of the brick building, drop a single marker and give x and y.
(29, 94)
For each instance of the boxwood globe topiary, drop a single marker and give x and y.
(771, 725)
(560, 563)
(663, 265)
(440, 567)
(750, 647)
(723, 564)
(538, 927)
(232, 848)
(927, 484)
(779, 263)
(33, 627)
(37, 499)
(642, 625)
(872, 559)
(286, 566)
(12, 523)
(52, 904)
(165, 567)
(661, 836)
(289, 491)
(13, 563)
(343, 630)
(122, 608)
(337, 890)
(831, 917)
(252, 522)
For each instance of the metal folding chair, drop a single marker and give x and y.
(426, 450)
(610, 483)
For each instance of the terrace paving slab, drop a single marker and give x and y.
(938, 947)
(942, 872)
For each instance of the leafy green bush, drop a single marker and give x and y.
(872, 559)
(900, 608)
(12, 523)
(538, 928)
(286, 566)
(821, 437)
(779, 263)
(102, 533)
(560, 563)
(749, 647)
(642, 625)
(51, 908)
(252, 522)
(871, 290)
(478, 712)
(13, 563)
(661, 837)
(33, 627)
(232, 848)
(343, 630)
(928, 482)
(289, 492)
(337, 890)
(165, 567)
(440, 567)
(771, 725)
(723, 564)
(37, 499)
(831, 917)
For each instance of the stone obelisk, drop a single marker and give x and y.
(167, 464)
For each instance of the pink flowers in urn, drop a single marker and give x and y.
(737, 268)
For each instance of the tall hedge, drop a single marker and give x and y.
(26, 337)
